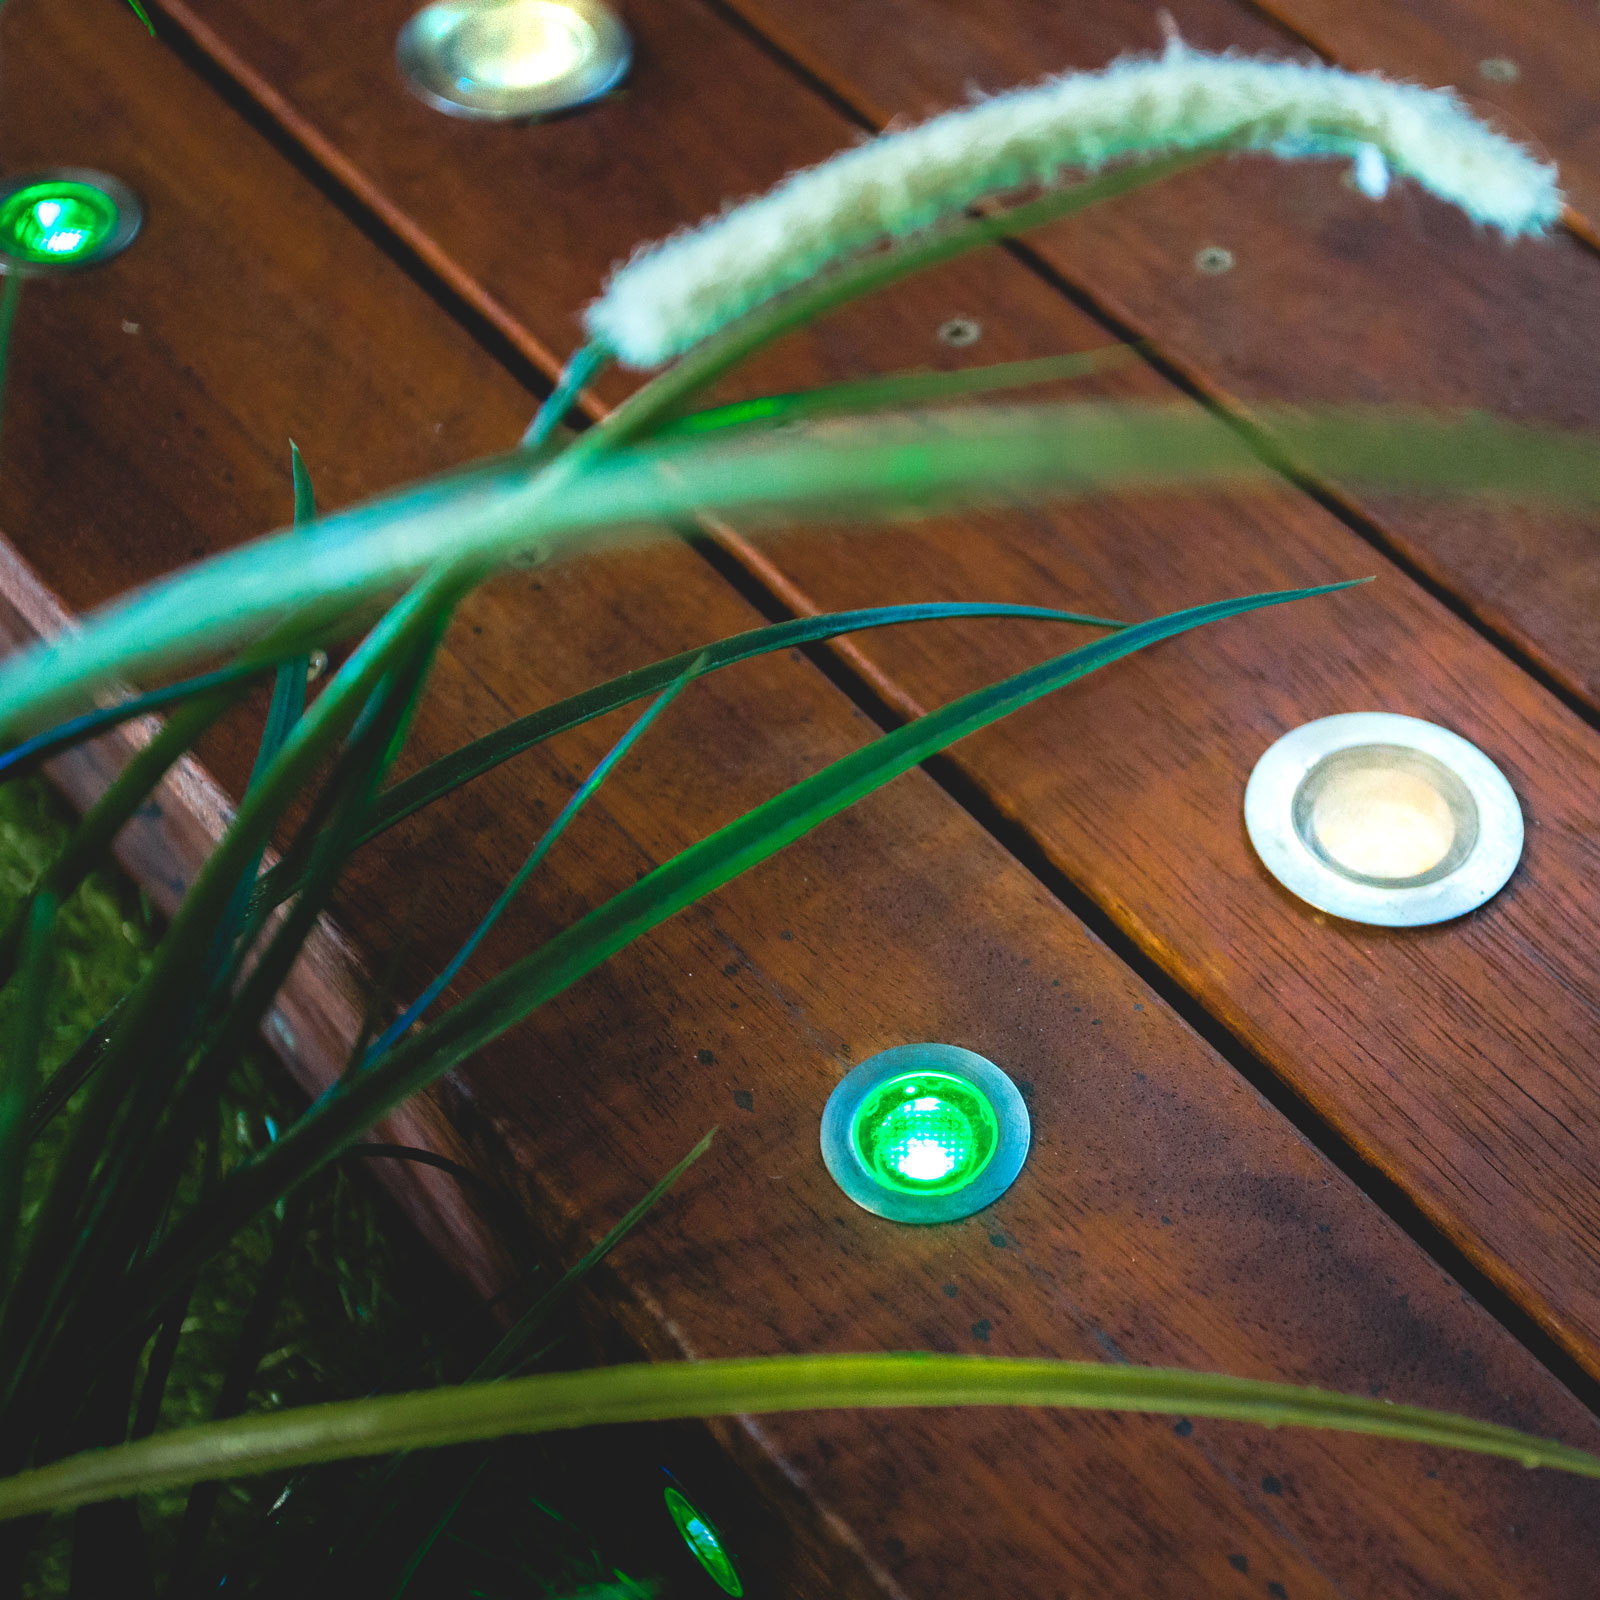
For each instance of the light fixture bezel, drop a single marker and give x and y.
(130, 218)
(419, 55)
(1269, 800)
(999, 1173)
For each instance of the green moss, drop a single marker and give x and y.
(365, 1306)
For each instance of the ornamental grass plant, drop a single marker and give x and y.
(115, 1197)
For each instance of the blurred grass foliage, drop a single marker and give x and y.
(363, 1296)
(106, 930)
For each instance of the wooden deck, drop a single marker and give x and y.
(1265, 1142)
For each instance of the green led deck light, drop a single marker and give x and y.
(704, 1542)
(925, 1133)
(61, 221)
(56, 221)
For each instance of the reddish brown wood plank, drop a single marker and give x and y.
(1406, 301)
(1166, 1215)
(1373, 293)
(1525, 1203)
(317, 1017)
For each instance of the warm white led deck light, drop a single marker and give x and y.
(925, 1133)
(1383, 819)
(505, 59)
(64, 220)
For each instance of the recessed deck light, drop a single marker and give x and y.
(925, 1133)
(1383, 819)
(705, 1544)
(509, 59)
(64, 220)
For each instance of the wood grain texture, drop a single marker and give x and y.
(1489, 1126)
(1404, 302)
(1351, 1011)
(1166, 1214)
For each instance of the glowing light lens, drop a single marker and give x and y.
(1382, 814)
(925, 1133)
(520, 45)
(509, 59)
(57, 221)
(1384, 824)
(704, 1543)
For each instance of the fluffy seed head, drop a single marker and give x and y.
(673, 294)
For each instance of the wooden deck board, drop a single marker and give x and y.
(1407, 1087)
(1167, 1214)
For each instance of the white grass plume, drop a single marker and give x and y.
(674, 293)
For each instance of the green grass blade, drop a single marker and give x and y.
(358, 1100)
(901, 391)
(249, 1346)
(71, 1075)
(289, 690)
(158, 1369)
(754, 1386)
(360, 769)
(440, 1523)
(513, 1347)
(19, 1066)
(287, 705)
(132, 1188)
(373, 750)
(305, 496)
(508, 1216)
(904, 464)
(585, 791)
(440, 777)
(90, 841)
(580, 370)
(512, 1351)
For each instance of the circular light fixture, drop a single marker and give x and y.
(501, 60)
(1383, 819)
(705, 1544)
(63, 220)
(925, 1133)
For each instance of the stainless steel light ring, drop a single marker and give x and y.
(124, 228)
(1455, 790)
(840, 1144)
(503, 60)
